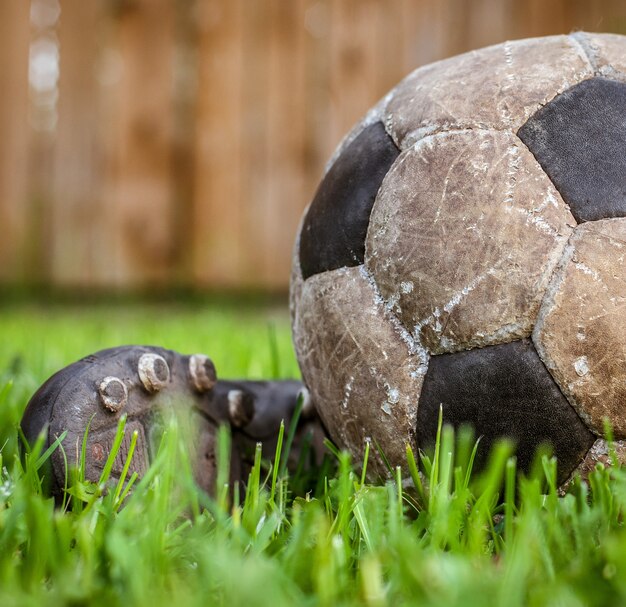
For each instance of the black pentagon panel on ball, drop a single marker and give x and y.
(579, 139)
(334, 229)
(502, 391)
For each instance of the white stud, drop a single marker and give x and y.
(240, 408)
(113, 393)
(153, 371)
(202, 372)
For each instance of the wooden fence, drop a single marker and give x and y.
(176, 142)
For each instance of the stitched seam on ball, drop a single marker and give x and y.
(422, 132)
(588, 52)
(576, 224)
(414, 346)
(508, 81)
(554, 284)
(551, 274)
(546, 307)
(387, 118)
(593, 54)
(427, 129)
(590, 228)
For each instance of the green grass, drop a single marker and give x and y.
(454, 539)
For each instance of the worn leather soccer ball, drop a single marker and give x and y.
(466, 249)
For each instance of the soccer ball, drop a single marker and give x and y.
(466, 250)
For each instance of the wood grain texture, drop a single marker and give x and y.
(77, 242)
(138, 194)
(191, 134)
(217, 238)
(14, 43)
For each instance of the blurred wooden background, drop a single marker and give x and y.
(161, 143)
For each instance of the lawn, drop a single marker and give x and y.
(456, 539)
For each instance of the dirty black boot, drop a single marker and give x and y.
(145, 383)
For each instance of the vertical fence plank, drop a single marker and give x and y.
(14, 43)
(138, 214)
(184, 139)
(285, 185)
(391, 44)
(424, 32)
(75, 238)
(217, 209)
(318, 137)
(354, 37)
(488, 23)
(255, 112)
(541, 18)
